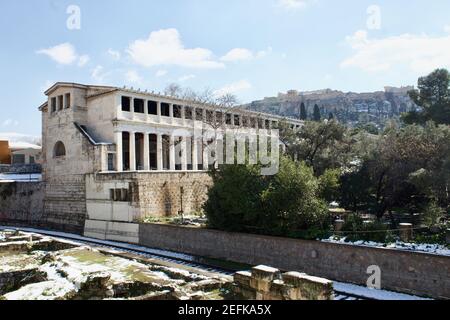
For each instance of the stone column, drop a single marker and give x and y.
(184, 154)
(132, 107)
(338, 224)
(158, 110)
(172, 152)
(448, 236)
(205, 155)
(132, 151)
(194, 153)
(159, 152)
(146, 152)
(406, 232)
(119, 154)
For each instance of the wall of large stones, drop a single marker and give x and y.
(21, 203)
(155, 194)
(166, 194)
(409, 272)
(65, 203)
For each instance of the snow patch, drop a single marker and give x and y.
(372, 293)
(414, 247)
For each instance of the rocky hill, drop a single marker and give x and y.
(348, 107)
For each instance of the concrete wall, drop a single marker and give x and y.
(409, 272)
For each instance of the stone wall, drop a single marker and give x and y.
(408, 272)
(21, 203)
(65, 203)
(155, 194)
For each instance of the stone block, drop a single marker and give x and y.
(406, 232)
(265, 273)
(305, 287)
(242, 278)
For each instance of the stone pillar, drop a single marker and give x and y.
(448, 236)
(194, 153)
(406, 232)
(158, 110)
(338, 224)
(205, 155)
(172, 152)
(119, 154)
(132, 107)
(146, 152)
(159, 152)
(184, 154)
(104, 158)
(132, 151)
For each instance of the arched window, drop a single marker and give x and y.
(59, 150)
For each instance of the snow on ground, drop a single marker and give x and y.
(5, 177)
(338, 286)
(372, 293)
(416, 247)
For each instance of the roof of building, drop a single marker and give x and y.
(21, 145)
(101, 90)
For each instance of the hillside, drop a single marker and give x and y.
(350, 108)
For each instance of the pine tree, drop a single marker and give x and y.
(303, 112)
(331, 116)
(316, 116)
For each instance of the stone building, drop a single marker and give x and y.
(117, 154)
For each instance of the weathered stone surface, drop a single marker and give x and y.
(406, 232)
(81, 272)
(265, 284)
(344, 263)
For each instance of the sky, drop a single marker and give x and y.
(251, 48)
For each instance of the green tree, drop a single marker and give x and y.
(433, 96)
(286, 204)
(316, 116)
(303, 112)
(322, 145)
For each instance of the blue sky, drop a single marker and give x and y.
(253, 48)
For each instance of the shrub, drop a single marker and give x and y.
(432, 215)
(356, 230)
(286, 204)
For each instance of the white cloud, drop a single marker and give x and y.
(98, 75)
(164, 47)
(237, 54)
(10, 122)
(293, 4)
(161, 73)
(186, 77)
(83, 60)
(64, 54)
(16, 137)
(233, 88)
(133, 76)
(115, 55)
(447, 28)
(420, 53)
